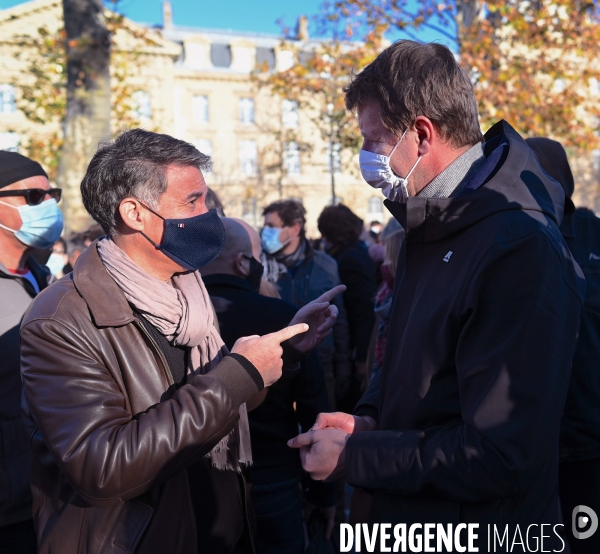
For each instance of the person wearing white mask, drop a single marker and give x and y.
(29, 218)
(461, 424)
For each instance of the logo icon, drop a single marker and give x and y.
(448, 256)
(584, 526)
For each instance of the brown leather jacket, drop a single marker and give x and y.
(111, 438)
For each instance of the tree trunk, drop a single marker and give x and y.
(88, 101)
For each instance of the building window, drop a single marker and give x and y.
(7, 99)
(290, 113)
(248, 157)
(247, 110)
(220, 55)
(10, 141)
(142, 104)
(292, 158)
(265, 57)
(200, 108)
(375, 206)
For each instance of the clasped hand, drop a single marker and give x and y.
(323, 448)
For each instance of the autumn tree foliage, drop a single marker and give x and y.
(532, 62)
(43, 97)
(322, 67)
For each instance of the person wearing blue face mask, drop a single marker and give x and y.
(135, 407)
(29, 218)
(302, 274)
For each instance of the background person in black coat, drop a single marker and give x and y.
(579, 469)
(341, 229)
(232, 281)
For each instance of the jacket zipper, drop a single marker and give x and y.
(158, 353)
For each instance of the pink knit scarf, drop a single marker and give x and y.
(181, 310)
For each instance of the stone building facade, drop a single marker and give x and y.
(197, 85)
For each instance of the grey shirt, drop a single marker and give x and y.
(16, 294)
(450, 181)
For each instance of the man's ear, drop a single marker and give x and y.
(427, 134)
(242, 267)
(131, 213)
(297, 228)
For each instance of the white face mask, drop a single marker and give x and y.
(377, 172)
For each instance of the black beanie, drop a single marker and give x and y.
(14, 167)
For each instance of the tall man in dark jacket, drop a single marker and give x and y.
(29, 218)
(462, 423)
(232, 281)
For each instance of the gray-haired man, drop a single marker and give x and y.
(136, 408)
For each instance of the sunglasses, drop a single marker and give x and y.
(33, 197)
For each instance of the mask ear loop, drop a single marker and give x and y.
(413, 168)
(394, 149)
(157, 246)
(4, 226)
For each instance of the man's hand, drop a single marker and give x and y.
(322, 453)
(344, 422)
(320, 316)
(265, 352)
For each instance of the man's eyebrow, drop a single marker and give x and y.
(194, 195)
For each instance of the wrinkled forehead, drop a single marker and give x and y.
(184, 183)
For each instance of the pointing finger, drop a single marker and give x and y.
(288, 332)
(331, 294)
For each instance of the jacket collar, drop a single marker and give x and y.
(40, 272)
(517, 183)
(106, 302)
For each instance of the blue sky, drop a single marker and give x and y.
(239, 15)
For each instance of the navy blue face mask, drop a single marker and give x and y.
(192, 242)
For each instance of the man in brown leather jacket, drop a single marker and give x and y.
(135, 407)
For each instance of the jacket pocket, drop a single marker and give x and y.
(128, 529)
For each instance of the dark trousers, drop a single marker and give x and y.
(18, 538)
(580, 484)
(279, 526)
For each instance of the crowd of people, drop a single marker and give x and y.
(174, 380)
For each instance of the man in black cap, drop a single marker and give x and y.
(29, 218)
